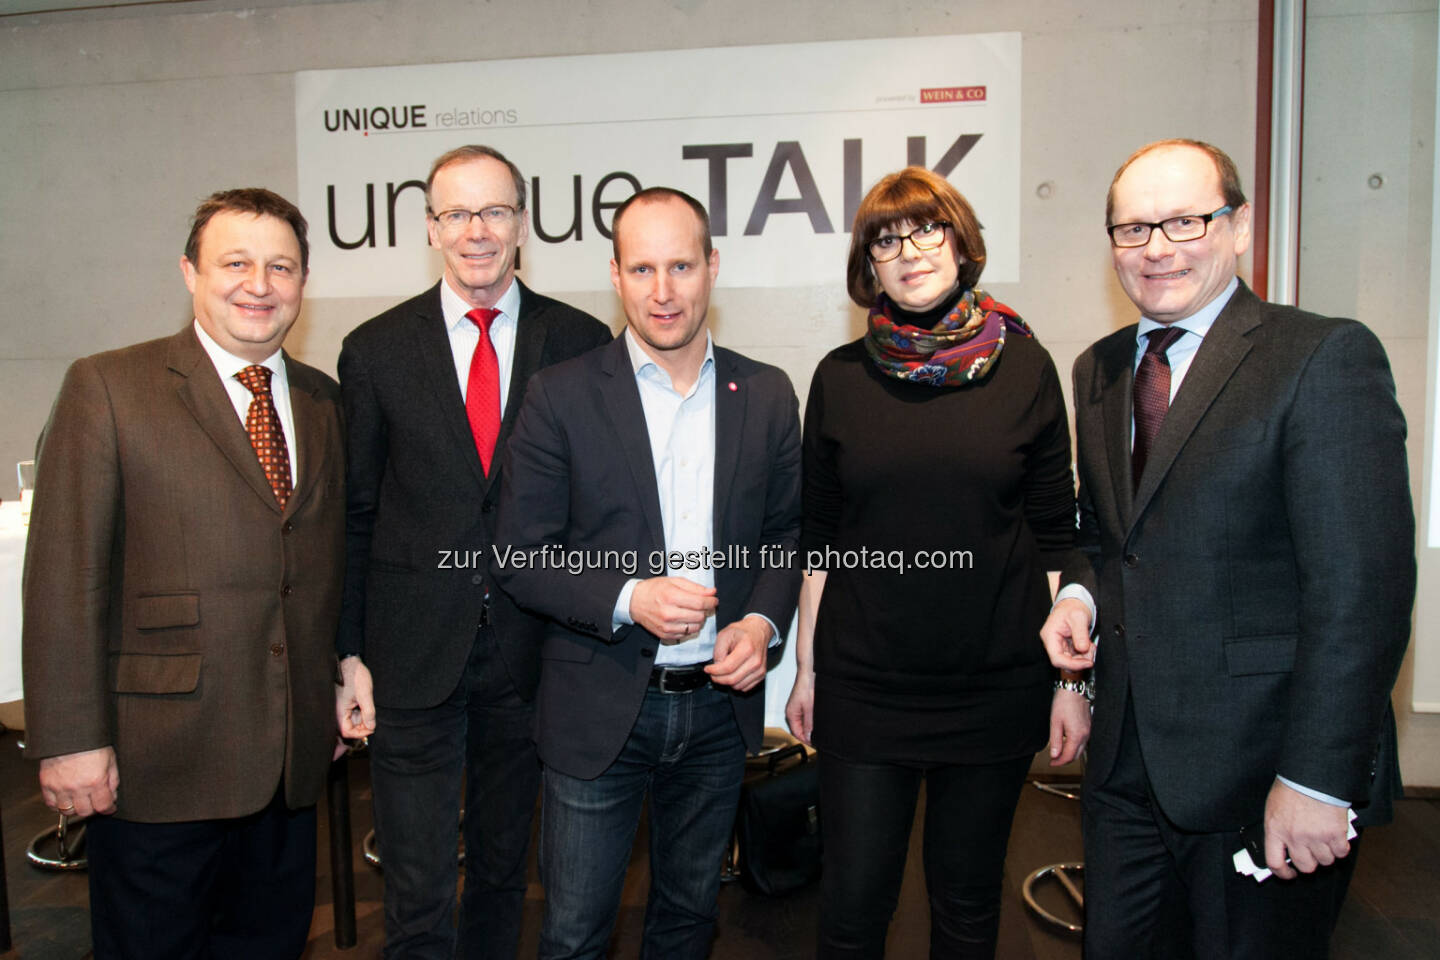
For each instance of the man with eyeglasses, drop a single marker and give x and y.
(1243, 590)
(437, 666)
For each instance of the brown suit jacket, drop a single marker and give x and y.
(171, 609)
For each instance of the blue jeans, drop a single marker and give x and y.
(417, 758)
(686, 750)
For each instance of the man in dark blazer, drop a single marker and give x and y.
(182, 588)
(651, 511)
(1249, 571)
(431, 389)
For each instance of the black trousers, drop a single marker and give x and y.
(1155, 891)
(236, 889)
(867, 809)
(480, 737)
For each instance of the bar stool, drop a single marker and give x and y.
(5, 943)
(342, 864)
(371, 846)
(1069, 875)
(60, 848)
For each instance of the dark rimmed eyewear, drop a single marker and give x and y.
(1191, 226)
(927, 236)
(494, 215)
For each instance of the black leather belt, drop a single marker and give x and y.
(682, 679)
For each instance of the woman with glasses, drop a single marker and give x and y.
(937, 493)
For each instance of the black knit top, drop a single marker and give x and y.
(936, 512)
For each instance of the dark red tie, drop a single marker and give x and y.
(482, 391)
(263, 425)
(1152, 396)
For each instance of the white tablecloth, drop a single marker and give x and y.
(12, 558)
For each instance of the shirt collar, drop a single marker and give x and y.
(227, 364)
(640, 360)
(454, 307)
(1199, 322)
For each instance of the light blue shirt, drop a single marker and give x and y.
(1179, 355)
(682, 448)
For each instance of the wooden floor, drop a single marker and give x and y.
(1393, 912)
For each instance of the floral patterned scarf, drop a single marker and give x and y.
(958, 350)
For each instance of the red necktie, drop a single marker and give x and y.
(263, 425)
(482, 392)
(1152, 396)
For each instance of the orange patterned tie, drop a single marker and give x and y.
(263, 425)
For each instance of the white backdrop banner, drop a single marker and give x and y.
(779, 142)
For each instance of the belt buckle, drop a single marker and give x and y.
(682, 678)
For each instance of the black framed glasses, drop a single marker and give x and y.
(927, 236)
(1191, 226)
(495, 215)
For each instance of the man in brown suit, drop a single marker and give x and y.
(181, 589)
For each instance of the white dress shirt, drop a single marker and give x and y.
(464, 335)
(227, 365)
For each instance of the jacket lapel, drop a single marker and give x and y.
(204, 396)
(1220, 353)
(627, 417)
(531, 331)
(437, 371)
(729, 419)
(1114, 380)
(311, 438)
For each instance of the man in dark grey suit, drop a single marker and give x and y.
(651, 511)
(1249, 571)
(431, 389)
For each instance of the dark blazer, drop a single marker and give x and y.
(1254, 594)
(581, 475)
(171, 609)
(421, 515)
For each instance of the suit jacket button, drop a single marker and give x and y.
(477, 579)
(486, 507)
(287, 527)
(1119, 630)
(277, 649)
(286, 590)
(1131, 560)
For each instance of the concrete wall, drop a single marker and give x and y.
(117, 122)
(1365, 230)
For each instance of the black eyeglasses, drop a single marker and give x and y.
(1191, 226)
(927, 236)
(494, 215)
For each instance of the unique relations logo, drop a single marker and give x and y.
(415, 116)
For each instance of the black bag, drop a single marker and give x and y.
(778, 827)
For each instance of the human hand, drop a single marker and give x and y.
(671, 608)
(1066, 635)
(1311, 832)
(1069, 726)
(355, 700)
(740, 654)
(79, 784)
(800, 708)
